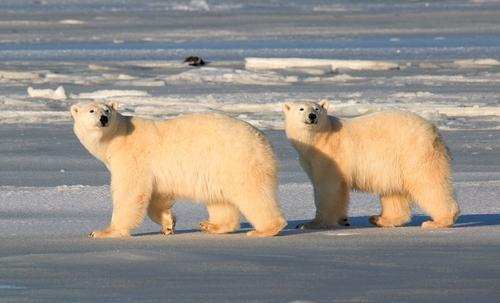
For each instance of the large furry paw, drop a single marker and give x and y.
(107, 233)
(212, 228)
(207, 227)
(384, 222)
(433, 224)
(270, 230)
(168, 231)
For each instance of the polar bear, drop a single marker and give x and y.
(397, 155)
(212, 158)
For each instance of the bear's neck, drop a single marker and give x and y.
(97, 142)
(309, 140)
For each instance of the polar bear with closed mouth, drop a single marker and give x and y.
(211, 158)
(397, 155)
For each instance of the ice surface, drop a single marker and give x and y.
(52, 192)
(45, 256)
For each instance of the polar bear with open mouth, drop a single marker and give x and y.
(223, 162)
(397, 155)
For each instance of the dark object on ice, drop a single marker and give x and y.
(194, 61)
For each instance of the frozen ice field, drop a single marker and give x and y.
(438, 59)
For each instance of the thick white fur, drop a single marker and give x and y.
(211, 158)
(395, 154)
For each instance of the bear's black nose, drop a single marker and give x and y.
(312, 117)
(104, 120)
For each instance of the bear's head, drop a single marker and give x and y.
(306, 115)
(95, 116)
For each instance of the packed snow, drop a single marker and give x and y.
(56, 94)
(156, 90)
(283, 63)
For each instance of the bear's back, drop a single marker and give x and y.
(389, 142)
(213, 136)
(194, 151)
(394, 126)
(213, 126)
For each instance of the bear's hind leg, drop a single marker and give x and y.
(396, 211)
(432, 190)
(160, 211)
(438, 202)
(222, 218)
(262, 211)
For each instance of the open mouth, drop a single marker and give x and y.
(311, 122)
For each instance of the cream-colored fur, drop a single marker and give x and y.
(211, 158)
(397, 155)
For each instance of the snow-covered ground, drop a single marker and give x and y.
(438, 59)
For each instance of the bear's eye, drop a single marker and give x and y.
(316, 109)
(107, 111)
(91, 111)
(301, 109)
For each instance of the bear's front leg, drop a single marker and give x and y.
(331, 202)
(130, 202)
(108, 233)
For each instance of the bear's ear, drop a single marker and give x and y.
(74, 110)
(325, 104)
(286, 107)
(114, 104)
